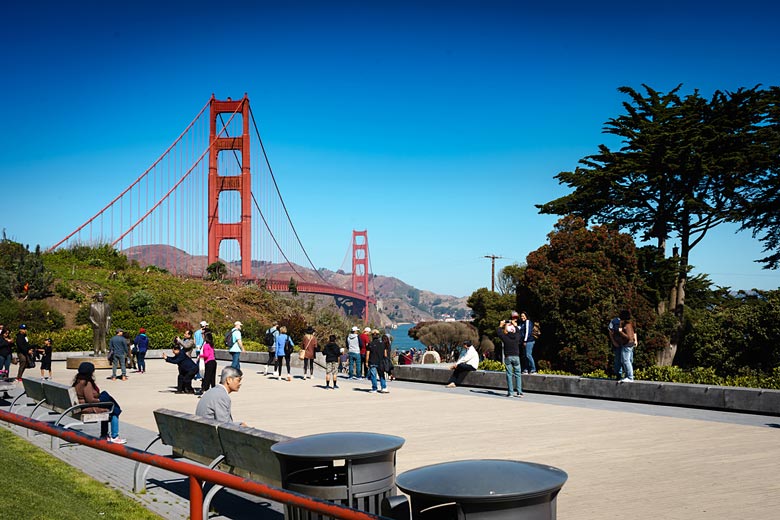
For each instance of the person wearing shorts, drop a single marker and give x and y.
(332, 352)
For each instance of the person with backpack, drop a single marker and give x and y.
(235, 345)
(353, 353)
(283, 347)
(269, 340)
(141, 345)
(528, 339)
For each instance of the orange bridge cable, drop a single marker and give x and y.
(273, 178)
(196, 473)
(273, 237)
(58, 244)
(159, 202)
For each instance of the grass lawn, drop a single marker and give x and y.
(36, 485)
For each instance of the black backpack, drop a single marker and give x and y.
(269, 338)
(288, 348)
(229, 338)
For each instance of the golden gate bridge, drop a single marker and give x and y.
(208, 198)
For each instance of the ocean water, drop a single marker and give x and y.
(401, 340)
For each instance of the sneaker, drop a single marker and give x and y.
(508, 395)
(524, 372)
(117, 440)
(625, 380)
(533, 372)
(335, 387)
(451, 385)
(372, 391)
(519, 395)
(384, 391)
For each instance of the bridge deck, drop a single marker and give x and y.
(637, 461)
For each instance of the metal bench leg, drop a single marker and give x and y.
(141, 470)
(216, 488)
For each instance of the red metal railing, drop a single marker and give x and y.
(197, 474)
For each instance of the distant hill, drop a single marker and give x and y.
(398, 302)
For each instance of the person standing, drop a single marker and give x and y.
(270, 341)
(216, 403)
(46, 358)
(332, 353)
(186, 343)
(387, 361)
(511, 340)
(527, 337)
(6, 353)
(141, 342)
(236, 346)
(187, 369)
(198, 338)
(283, 348)
(627, 334)
(309, 352)
(375, 352)
(24, 351)
(117, 347)
(467, 362)
(209, 362)
(364, 339)
(353, 352)
(614, 340)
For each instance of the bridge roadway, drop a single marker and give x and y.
(624, 460)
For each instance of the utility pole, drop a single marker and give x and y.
(493, 271)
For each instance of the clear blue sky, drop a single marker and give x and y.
(436, 126)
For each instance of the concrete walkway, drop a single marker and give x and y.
(637, 461)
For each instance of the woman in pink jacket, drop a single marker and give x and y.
(209, 362)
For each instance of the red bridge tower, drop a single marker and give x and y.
(241, 230)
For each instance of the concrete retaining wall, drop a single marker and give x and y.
(734, 399)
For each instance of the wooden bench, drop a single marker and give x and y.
(60, 399)
(238, 450)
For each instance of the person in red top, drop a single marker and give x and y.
(364, 339)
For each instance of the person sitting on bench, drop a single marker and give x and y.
(88, 392)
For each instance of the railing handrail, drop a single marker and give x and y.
(197, 474)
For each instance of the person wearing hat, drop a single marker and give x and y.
(87, 391)
(117, 350)
(141, 345)
(24, 351)
(199, 339)
(375, 353)
(353, 353)
(237, 345)
(364, 339)
(309, 351)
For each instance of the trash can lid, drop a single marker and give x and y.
(338, 445)
(482, 480)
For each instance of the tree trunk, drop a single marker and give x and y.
(665, 356)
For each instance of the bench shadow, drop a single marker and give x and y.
(226, 503)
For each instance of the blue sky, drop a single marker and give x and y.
(436, 126)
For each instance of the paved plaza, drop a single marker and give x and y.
(623, 460)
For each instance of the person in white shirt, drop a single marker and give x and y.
(467, 362)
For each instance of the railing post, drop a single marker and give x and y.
(196, 499)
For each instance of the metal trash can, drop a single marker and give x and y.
(353, 469)
(478, 490)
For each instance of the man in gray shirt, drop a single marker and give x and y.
(215, 403)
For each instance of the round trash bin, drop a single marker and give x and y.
(481, 490)
(354, 469)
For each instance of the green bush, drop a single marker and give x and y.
(141, 303)
(492, 365)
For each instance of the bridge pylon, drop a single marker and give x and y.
(240, 231)
(360, 267)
